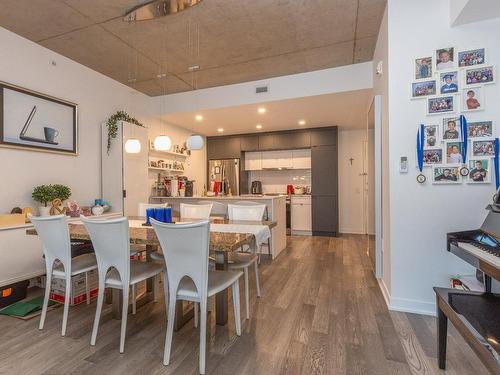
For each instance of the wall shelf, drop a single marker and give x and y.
(168, 153)
(165, 169)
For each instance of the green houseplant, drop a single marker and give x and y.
(47, 193)
(62, 192)
(112, 125)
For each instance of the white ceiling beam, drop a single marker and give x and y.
(468, 11)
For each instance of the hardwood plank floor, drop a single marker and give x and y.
(321, 312)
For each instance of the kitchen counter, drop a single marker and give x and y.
(276, 211)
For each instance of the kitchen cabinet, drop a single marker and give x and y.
(301, 215)
(249, 143)
(324, 215)
(296, 139)
(253, 161)
(277, 159)
(324, 137)
(301, 159)
(223, 148)
(324, 170)
(266, 142)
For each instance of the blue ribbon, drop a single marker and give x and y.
(420, 147)
(497, 175)
(465, 136)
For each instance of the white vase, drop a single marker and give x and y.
(44, 211)
(97, 210)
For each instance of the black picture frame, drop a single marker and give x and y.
(37, 144)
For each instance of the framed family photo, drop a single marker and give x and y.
(35, 121)
(479, 171)
(479, 75)
(471, 57)
(438, 105)
(454, 152)
(421, 89)
(434, 156)
(432, 137)
(423, 68)
(448, 82)
(483, 148)
(445, 58)
(451, 128)
(480, 129)
(446, 174)
(472, 99)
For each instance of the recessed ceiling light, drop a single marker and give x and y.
(302, 122)
(258, 126)
(198, 117)
(262, 110)
(220, 130)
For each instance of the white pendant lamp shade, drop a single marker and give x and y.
(195, 142)
(163, 143)
(133, 146)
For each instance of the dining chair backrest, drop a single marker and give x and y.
(254, 212)
(218, 209)
(185, 247)
(56, 244)
(144, 206)
(196, 211)
(110, 239)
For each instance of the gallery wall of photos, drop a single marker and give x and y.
(452, 83)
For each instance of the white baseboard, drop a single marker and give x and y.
(350, 231)
(406, 305)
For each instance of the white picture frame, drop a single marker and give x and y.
(440, 176)
(453, 158)
(418, 63)
(478, 99)
(432, 136)
(485, 130)
(461, 53)
(448, 129)
(476, 176)
(449, 100)
(433, 156)
(479, 69)
(482, 148)
(439, 64)
(418, 87)
(455, 82)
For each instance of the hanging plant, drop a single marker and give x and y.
(112, 124)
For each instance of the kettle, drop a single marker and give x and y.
(256, 187)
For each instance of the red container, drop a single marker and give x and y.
(289, 189)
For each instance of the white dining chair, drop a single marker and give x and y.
(265, 216)
(219, 210)
(56, 245)
(111, 242)
(186, 248)
(243, 260)
(195, 211)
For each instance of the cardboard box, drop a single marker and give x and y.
(78, 292)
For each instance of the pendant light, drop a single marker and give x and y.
(195, 141)
(132, 145)
(162, 142)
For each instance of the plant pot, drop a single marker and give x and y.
(44, 211)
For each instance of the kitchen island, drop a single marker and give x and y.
(276, 211)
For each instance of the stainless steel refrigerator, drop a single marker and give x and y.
(227, 173)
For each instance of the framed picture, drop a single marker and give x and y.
(451, 128)
(479, 75)
(34, 121)
(472, 99)
(422, 89)
(432, 137)
(445, 58)
(471, 57)
(434, 156)
(454, 152)
(423, 68)
(480, 129)
(483, 148)
(446, 174)
(448, 82)
(437, 105)
(479, 171)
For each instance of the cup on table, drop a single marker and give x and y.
(168, 214)
(149, 214)
(159, 214)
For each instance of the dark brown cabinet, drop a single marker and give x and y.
(324, 172)
(324, 137)
(223, 148)
(324, 215)
(249, 143)
(266, 142)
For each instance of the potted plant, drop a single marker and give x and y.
(43, 194)
(62, 192)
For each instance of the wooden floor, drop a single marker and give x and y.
(321, 312)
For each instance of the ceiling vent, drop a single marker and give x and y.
(262, 89)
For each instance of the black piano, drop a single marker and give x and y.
(476, 315)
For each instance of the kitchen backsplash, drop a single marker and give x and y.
(276, 181)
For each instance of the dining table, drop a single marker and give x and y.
(143, 237)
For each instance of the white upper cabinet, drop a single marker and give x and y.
(277, 159)
(301, 159)
(253, 161)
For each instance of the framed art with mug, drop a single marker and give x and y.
(34, 121)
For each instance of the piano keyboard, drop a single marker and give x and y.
(493, 258)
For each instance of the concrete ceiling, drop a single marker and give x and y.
(239, 41)
(348, 110)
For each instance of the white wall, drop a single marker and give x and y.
(351, 210)
(381, 87)
(326, 81)
(28, 65)
(421, 215)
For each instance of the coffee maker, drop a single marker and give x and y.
(256, 187)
